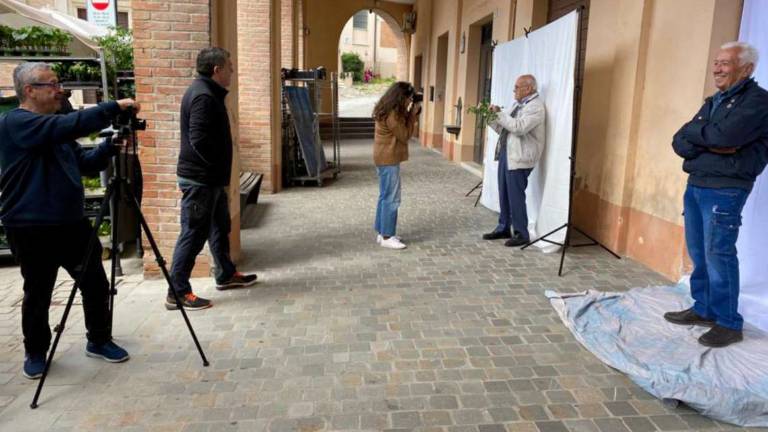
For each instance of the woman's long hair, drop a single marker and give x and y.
(393, 100)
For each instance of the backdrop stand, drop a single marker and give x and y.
(568, 226)
(479, 185)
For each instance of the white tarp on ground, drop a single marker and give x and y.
(627, 332)
(548, 53)
(753, 237)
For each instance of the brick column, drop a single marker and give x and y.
(258, 41)
(168, 34)
(287, 21)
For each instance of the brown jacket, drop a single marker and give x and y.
(390, 144)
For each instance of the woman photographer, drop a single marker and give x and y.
(395, 114)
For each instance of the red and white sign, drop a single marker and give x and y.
(102, 12)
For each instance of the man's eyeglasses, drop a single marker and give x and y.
(53, 85)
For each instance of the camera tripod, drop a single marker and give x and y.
(118, 188)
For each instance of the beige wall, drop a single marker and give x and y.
(457, 17)
(647, 71)
(646, 74)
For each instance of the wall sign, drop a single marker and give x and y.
(102, 12)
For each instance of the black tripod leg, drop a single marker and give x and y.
(474, 188)
(479, 196)
(566, 245)
(544, 236)
(59, 329)
(598, 243)
(161, 263)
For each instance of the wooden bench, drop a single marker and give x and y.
(250, 183)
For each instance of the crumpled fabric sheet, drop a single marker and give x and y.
(628, 332)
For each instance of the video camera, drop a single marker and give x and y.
(418, 97)
(127, 122)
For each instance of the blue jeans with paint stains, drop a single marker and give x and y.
(712, 221)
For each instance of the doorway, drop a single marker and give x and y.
(483, 86)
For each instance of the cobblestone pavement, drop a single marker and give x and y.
(452, 334)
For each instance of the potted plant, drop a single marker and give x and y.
(61, 41)
(79, 71)
(62, 71)
(21, 41)
(6, 40)
(93, 73)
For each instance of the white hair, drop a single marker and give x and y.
(747, 53)
(26, 73)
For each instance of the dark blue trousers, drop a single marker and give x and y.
(204, 216)
(512, 184)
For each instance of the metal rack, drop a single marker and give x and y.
(296, 170)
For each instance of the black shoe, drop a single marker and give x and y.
(238, 280)
(720, 336)
(516, 241)
(495, 235)
(688, 317)
(190, 302)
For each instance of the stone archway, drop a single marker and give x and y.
(389, 36)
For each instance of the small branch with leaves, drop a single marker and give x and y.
(483, 112)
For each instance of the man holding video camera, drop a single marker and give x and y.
(42, 207)
(204, 170)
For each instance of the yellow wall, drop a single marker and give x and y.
(646, 74)
(647, 71)
(457, 17)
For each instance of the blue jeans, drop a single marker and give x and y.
(512, 210)
(712, 220)
(389, 200)
(204, 216)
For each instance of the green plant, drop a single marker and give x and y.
(483, 112)
(62, 71)
(79, 71)
(21, 38)
(60, 41)
(6, 38)
(105, 228)
(118, 52)
(351, 62)
(91, 182)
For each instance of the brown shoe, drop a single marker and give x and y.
(688, 317)
(720, 336)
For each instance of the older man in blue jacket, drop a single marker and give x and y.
(41, 207)
(725, 148)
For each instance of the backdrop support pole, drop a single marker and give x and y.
(568, 226)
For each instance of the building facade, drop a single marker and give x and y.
(646, 69)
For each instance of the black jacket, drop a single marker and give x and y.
(740, 121)
(40, 162)
(205, 155)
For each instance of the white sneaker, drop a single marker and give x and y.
(379, 238)
(392, 243)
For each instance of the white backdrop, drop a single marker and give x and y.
(548, 53)
(753, 237)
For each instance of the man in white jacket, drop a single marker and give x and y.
(521, 143)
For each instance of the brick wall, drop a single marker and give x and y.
(286, 29)
(168, 35)
(255, 75)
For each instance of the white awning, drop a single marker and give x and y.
(16, 14)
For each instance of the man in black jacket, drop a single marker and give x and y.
(724, 147)
(204, 170)
(42, 207)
